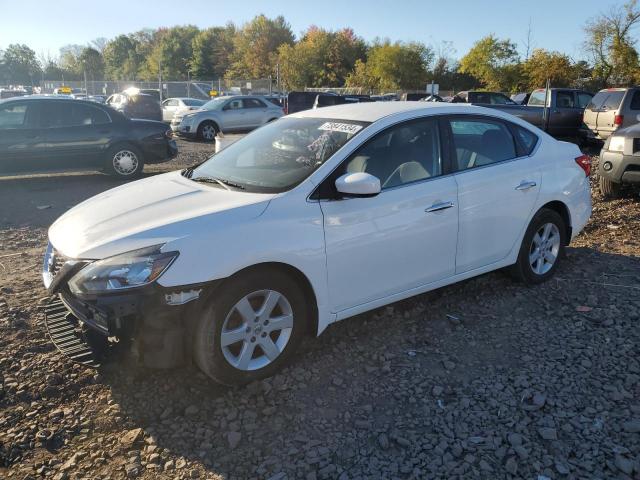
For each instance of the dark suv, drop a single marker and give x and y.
(140, 105)
(48, 133)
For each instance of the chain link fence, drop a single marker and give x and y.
(192, 88)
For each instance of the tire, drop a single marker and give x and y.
(240, 359)
(124, 161)
(608, 188)
(533, 267)
(207, 131)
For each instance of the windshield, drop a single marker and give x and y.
(215, 104)
(280, 155)
(192, 102)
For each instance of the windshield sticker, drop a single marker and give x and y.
(340, 127)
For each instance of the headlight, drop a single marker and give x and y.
(616, 144)
(128, 270)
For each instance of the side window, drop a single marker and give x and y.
(86, 115)
(13, 115)
(584, 99)
(635, 101)
(480, 142)
(234, 105)
(537, 98)
(57, 114)
(527, 139)
(402, 154)
(253, 103)
(565, 100)
(498, 99)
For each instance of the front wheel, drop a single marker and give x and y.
(207, 131)
(251, 328)
(542, 248)
(124, 161)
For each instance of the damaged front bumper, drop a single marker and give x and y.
(152, 319)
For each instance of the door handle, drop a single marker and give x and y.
(436, 207)
(526, 185)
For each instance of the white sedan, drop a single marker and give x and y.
(179, 106)
(312, 219)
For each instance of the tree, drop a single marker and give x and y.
(393, 66)
(121, 59)
(90, 61)
(20, 64)
(256, 46)
(610, 45)
(321, 58)
(543, 65)
(492, 61)
(172, 52)
(212, 50)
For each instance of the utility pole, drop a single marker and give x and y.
(160, 78)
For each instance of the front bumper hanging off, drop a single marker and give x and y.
(70, 337)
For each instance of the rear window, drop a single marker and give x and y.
(191, 102)
(606, 99)
(527, 139)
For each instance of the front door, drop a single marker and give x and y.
(21, 142)
(403, 238)
(498, 185)
(233, 115)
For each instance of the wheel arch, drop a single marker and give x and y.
(301, 279)
(561, 209)
(208, 120)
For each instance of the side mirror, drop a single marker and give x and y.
(358, 184)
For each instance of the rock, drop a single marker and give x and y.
(632, 426)
(233, 438)
(169, 465)
(131, 437)
(190, 411)
(624, 464)
(132, 470)
(511, 465)
(181, 463)
(514, 439)
(383, 441)
(437, 390)
(548, 433)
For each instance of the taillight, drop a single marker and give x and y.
(618, 119)
(285, 110)
(168, 134)
(584, 162)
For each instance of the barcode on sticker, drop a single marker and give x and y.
(340, 127)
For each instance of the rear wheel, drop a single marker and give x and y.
(541, 249)
(608, 188)
(124, 161)
(207, 131)
(251, 328)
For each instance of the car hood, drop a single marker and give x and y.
(149, 212)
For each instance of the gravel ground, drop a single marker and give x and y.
(483, 379)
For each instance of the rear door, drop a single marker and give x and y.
(20, 137)
(76, 134)
(498, 184)
(169, 108)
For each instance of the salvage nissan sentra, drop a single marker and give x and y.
(311, 219)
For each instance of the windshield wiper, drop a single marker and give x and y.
(225, 183)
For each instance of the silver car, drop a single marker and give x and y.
(226, 114)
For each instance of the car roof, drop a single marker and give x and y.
(374, 111)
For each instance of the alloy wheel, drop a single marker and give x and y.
(544, 249)
(256, 330)
(208, 132)
(125, 162)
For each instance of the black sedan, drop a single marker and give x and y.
(47, 133)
